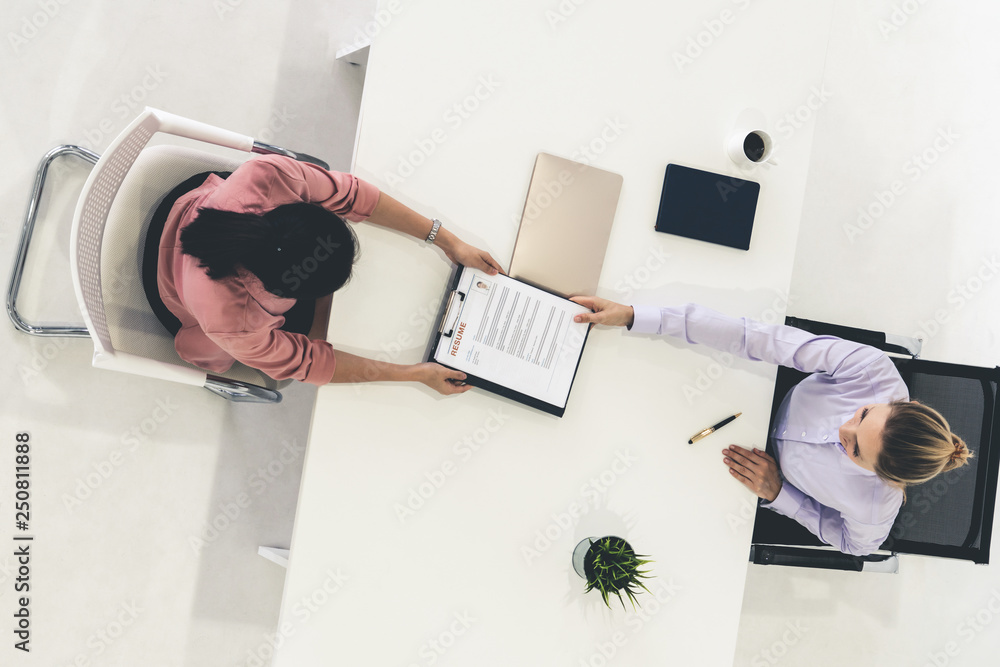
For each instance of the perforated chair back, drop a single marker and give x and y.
(107, 238)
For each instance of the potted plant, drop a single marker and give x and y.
(611, 566)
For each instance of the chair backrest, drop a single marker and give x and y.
(107, 239)
(132, 325)
(99, 193)
(950, 516)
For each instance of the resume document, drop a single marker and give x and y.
(514, 335)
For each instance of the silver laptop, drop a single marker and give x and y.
(565, 226)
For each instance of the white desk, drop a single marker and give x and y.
(480, 573)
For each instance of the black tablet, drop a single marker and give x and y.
(707, 207)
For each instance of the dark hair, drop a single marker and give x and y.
(917, 445)
(299, 251)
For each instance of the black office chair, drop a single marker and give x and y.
(951, 516)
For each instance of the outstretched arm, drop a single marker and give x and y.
(394, 215)
(352, 368)
(741, 336)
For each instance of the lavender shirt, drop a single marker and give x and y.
(824, 490)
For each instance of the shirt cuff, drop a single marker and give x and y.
(324, 364)
(646, 319)
(788, 502)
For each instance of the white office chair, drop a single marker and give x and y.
(106, 249)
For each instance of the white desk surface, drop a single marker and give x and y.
(480, 573)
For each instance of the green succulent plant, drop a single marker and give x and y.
(612, 567)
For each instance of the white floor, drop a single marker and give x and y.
(128, 475)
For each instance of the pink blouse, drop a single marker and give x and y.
(236, 319)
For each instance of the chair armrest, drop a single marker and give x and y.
(240, 392)
(268, 149)
(764, 554)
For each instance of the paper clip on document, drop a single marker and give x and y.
(450, 319)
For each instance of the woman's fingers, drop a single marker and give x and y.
(491, 265)
(453, 387)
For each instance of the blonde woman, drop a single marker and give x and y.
(848, 438)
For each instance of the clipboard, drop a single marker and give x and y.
(451, 309)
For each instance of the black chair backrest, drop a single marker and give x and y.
(952, 514)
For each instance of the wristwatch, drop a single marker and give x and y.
(434, 230)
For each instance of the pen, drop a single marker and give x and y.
(712, 429)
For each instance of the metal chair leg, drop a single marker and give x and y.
(22, 253)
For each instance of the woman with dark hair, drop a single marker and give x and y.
(247, 263)
(848, 437)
